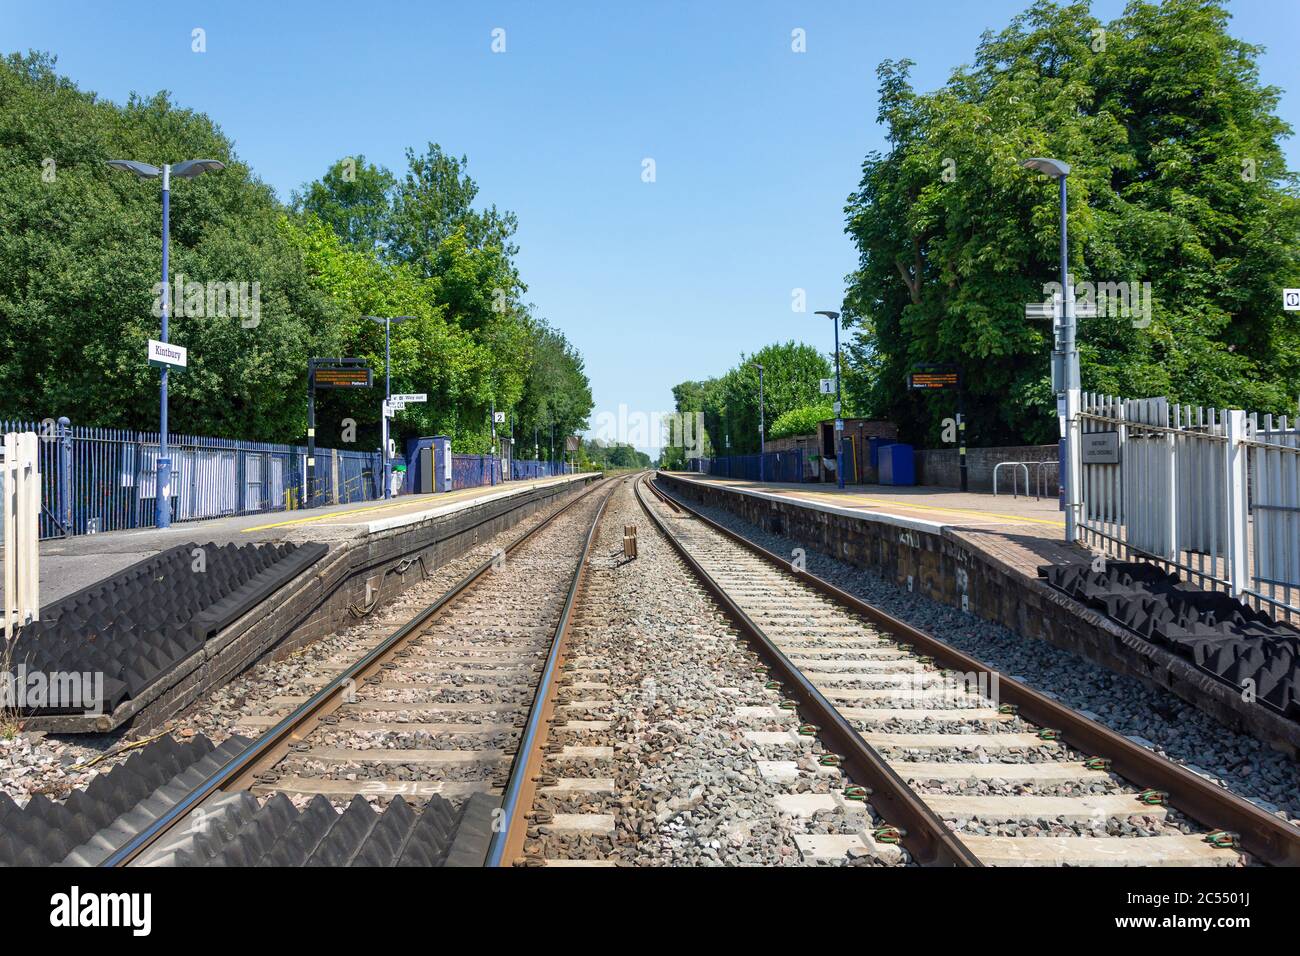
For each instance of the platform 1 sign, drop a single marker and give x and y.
(828, 386)
(166, 355)
(934, 378)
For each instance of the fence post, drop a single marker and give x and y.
(1235, 457)
(64, 509)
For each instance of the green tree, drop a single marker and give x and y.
(354, 198)
(1178, 180)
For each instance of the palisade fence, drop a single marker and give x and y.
(104, 479)
(1209, 493)
(776, 466)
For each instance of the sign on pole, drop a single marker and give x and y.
(499, 418)
(828, 386)
(166, 354)
(412, 398)
(1291, 300)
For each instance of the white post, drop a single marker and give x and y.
(22, 505)
(1235, 455)
(1073, 464)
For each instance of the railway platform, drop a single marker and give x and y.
(70, 564)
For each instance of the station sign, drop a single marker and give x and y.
(1100, 448)
(342, 376)
(167, 355)
(929, 378)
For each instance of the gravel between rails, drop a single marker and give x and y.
(55, 765)
(1153, 717)
(656, 672)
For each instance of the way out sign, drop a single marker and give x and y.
(166, 355)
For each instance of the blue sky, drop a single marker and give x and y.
(755, 147)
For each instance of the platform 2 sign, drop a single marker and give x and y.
(342, 376)
(929, 378)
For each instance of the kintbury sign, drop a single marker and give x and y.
(166, 354)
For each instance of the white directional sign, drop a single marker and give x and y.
(393, 406)
(164, 353)
(412, 398)
(1291, 300)
(828, 386)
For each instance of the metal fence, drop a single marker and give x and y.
(776, 466)
(522, 470)
(473, 471)
(1210, 493)
(103, 479)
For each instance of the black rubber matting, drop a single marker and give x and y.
(130, 629)
(1236, 643)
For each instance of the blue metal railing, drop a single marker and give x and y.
(104, 479)
(776, 466)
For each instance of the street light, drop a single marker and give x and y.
(1065, 345)
(186, 170)
(839, 422)
(762, 437)
(388, 322)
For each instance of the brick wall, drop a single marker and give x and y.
(942, 467)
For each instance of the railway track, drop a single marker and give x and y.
(970, 766)
(450, 704)
(664, 745)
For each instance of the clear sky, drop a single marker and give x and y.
(755, 147)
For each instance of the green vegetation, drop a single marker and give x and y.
(1178, 180)
(82, 251)
(791, 377)
(801, 421)
(602, 456)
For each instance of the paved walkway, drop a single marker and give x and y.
(1021, 533)
(70, 564)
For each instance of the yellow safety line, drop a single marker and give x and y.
(446, 497)
(841, 499)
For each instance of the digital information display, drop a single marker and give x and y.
(934, 378)
(342, 376)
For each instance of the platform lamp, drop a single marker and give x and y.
(388, 323)
(186, 170)
(839, 422)
(1065, 345)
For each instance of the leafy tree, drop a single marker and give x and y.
(801, 421)
(1178, 180)
(355, 199)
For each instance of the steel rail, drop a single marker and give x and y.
(240, 771)
(924, 834)
(1266, 837)
(510, 827)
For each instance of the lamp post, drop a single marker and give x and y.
(388, 323)
(186, 170)
(762, 430)
(1065, 345)
(839, 422)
